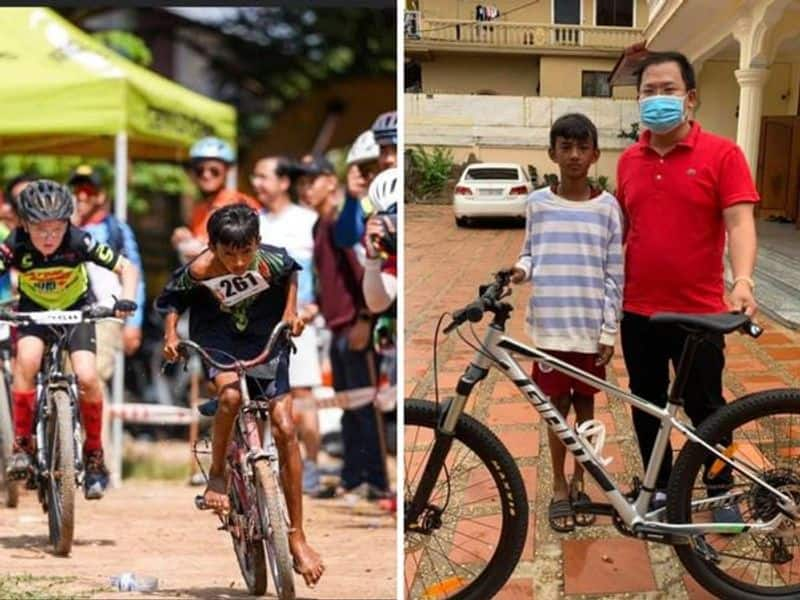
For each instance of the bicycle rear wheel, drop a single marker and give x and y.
(469, 538)
(10, 486)
(761, 431)
(60, 480)
(276, 534)
(243, 525)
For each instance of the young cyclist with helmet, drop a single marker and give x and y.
(238, 290)
(210, 161)
(385, 131)
(50, 255)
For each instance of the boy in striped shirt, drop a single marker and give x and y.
(572, 254)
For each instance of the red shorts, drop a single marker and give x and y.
(555, 383)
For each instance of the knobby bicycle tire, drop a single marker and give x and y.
(249, 552)
(61, 478)
(510, 490)
(276, 533)
(688, 465)
(6, 446)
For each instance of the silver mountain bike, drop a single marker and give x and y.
(466, 509)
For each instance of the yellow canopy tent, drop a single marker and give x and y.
(66, 93)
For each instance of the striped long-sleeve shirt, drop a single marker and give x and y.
(572, 254)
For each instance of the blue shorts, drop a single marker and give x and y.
(266, 381)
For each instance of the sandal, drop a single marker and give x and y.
(579, 497)
(561, 516)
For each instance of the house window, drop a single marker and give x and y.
(615, 13)
(567, 12)
(595, 84)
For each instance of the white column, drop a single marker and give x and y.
(751, 95)
(118, 380)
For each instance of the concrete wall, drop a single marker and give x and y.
(718, 92)
(561, 76)
(512, 128)
(537, 12)
(456, 73)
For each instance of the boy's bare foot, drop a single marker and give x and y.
(216, 494)
(306, 560)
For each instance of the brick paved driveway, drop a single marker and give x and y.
(443, 266)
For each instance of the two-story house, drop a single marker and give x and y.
(490, 78)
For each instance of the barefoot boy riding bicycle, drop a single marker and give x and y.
(49, 254)
(238, 290)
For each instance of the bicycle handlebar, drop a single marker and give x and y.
(490, 295)
(281, 330)
(95, 312)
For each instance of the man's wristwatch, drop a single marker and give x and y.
(747, 280)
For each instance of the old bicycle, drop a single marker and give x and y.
(258, 516)
(58, 465)
(466, 509)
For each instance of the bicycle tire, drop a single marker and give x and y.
(61, 488)
(510, 490)
(249, 552)
(276, 533)
(10, 486)
(689, 464)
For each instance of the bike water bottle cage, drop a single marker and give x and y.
(593, 434)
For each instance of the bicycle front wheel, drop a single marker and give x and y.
(10, 486)
(470, 536)
(762, 432)
(276, 533)
(60, 480)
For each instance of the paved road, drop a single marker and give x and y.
(444, 265)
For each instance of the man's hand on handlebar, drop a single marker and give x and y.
(604, 354)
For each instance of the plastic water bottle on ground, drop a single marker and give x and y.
(130, 582)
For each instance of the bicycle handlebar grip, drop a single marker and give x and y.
(474, 311)
(753, 330)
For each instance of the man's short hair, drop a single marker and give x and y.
(658, 58)
(573, 126)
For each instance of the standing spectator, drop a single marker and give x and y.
(681, 189)
(341, 302)
(350, 226)
(290, 226)
(92, 215)
(9, 220)
(210, 160)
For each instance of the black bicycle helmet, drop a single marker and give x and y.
(45, 200)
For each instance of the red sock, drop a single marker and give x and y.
(92, 415)
(23, 412)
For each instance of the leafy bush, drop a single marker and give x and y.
(428, 171)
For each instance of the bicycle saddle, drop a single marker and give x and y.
(714, 323)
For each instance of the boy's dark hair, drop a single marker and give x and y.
(573, 126)
(233, 225)
(284, 167)
(658, 58)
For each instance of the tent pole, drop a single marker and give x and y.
(118, 381)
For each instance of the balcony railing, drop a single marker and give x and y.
(499, 34)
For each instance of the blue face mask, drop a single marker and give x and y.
(662, 114)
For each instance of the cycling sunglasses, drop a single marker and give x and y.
(213, 170)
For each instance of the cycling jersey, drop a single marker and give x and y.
(57, 281)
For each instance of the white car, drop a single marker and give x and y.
(491, 190)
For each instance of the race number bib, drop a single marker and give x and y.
(232, 289)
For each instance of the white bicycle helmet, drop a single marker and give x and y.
(364, 149)
(384, 191)
(212, 147)
(385, 129)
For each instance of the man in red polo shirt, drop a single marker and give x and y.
(681, 189)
